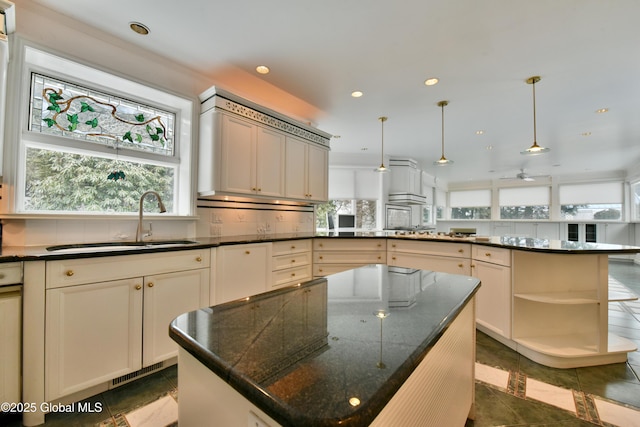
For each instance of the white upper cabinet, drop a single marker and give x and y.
(244, 149)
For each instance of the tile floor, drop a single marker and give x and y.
(511, 390)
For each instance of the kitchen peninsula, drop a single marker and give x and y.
(336, 351)
(545, 299)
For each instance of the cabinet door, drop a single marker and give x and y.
(295, 168)
(10, 337)
(270, 158)
(430, 262)
(493, 300)
(237, 154)
(242, 271)
(166, 296)
(317, 173)
(93, 334)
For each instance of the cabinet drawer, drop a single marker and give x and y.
(335, 257)
(291, 247)
(320, 270)
(288, 261)
(291, 275)
(71, 272)
(430, 262)
(459, 250)
(493, 255)
(10, 273)
(337, 244)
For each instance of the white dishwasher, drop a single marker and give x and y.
(10, 331)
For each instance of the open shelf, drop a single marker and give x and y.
(561, 345)
(570, 297)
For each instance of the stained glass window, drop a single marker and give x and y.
(71, 110)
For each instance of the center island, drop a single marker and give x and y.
(369, 346)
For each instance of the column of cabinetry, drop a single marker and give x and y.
(444, 257)
(333, 255)
(493, 301)
(107, 317)
(307, 169)
(291, 262)
(10, 331)
(241, 271)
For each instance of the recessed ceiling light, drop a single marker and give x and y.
(479, 132)
(356, 94)
(602, 110)
(489, 147)
(364, 149)
(586, 134)
(431, 81)
(139, 28)
(262, 69)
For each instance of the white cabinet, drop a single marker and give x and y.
(10, 332)
(493, 301)
(241, 271)
(251, 158)
(307, 167)
(291, 262)
(333, 255)
(454, 258)
(101, 325)
(247, 149)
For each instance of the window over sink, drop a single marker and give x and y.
(92, 142)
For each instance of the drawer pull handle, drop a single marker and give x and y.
(69, 273)
(393, 258)
(293, 247)
(379, 245)
(293, 274)
(488, 254)
(150, 284)
(138, 287)
(393, 245)
(379, 257)
(320, 244)
(198, 259)
(253, 188)
(321, 257)
(460, 265)
(320, 270)
(247, 252)
(293, 260)
(461, 250)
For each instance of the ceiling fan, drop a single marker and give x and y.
(523, 176)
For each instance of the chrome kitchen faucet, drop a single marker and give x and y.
(139, 232)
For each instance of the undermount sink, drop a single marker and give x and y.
(113, 246)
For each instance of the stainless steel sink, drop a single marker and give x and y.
(117, 246)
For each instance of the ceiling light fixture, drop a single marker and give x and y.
(382, 168)
(535, 148)
(262, 69)
(356, 94)
(431, 81)
(139, 28)
(443, 160)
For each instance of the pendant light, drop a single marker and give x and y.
(535, 148)
(443, 160)
(382, 168)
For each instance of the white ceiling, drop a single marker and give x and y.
(587, 53)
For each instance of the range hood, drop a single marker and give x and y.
(406, 183)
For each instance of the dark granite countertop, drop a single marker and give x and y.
(35, 253)
(302, 353)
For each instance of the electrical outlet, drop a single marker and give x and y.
(254, 421)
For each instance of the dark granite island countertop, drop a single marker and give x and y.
(320, 353)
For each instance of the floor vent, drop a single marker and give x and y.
(135, 375)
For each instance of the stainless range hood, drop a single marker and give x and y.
(406, 183)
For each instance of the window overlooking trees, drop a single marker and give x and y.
(594, 201)
(96, 147)
(364, 210)
(470, 204)
(524, 203)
